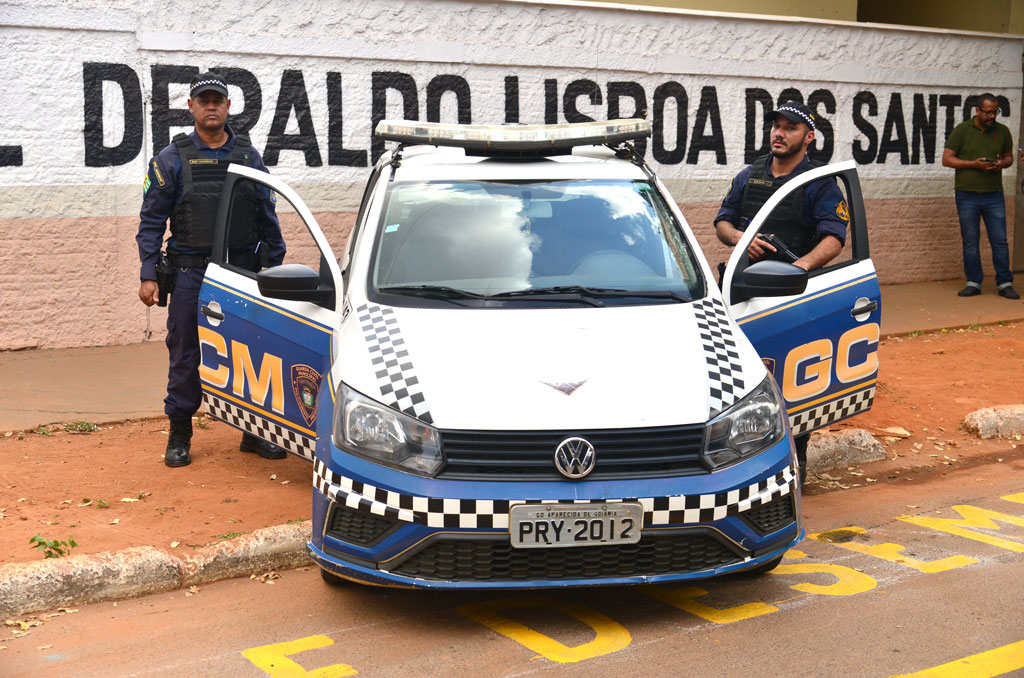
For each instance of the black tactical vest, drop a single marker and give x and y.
(787, 219)
(192, 219)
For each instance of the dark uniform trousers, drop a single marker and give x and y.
(184, 392)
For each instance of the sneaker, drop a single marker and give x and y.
(251, 443)
(969, 291)
(179, 442)
(1008, 292)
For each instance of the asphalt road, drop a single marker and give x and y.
(920, 578)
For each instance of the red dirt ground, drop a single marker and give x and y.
(76, 484)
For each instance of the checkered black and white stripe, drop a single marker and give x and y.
(486, 513)
(296, 443)
(835, 410)
(393, 368)
(725, 373)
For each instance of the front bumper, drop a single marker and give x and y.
(455, 534)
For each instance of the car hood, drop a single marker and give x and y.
(546, 369)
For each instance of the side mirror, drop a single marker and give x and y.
(294, 282)
(769, 278)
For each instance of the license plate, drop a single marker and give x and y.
(536, 526)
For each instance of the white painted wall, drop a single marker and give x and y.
(69, 226)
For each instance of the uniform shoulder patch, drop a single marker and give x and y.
(145, 184)
(842, 211)
(273, 197)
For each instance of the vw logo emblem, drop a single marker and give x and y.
(575, 458)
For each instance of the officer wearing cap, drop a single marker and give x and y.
(183, 184)
(811, 222)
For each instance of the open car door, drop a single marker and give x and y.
(821, 344)
(266, 338)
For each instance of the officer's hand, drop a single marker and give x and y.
(759, 249)
(149, 293)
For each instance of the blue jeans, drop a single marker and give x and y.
(971, 207)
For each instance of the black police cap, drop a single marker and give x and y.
(207, 82)
(795, 112)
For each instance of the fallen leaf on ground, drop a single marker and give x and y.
(266, 577)
(175, 544)
(115, 521)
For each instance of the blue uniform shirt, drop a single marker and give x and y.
(823, 203)
(162, 190)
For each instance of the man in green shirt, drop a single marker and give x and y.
(979, 149)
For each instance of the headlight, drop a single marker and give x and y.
(369, 429)
(748, 427)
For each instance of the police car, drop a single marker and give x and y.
(522, 373)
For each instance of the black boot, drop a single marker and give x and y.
(179, 442)
(251, 443)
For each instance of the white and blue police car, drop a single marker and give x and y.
(522, 373)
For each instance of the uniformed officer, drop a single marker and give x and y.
(183, 183)
(811, 222)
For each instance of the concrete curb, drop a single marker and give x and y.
(144, 570)
(1005, 421)
(829, 450)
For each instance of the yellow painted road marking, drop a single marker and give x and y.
(890, 552)
(972, 516)
(995, 662)
(683, 598)
(610, 635)
(274, 661)
(1019, 497)
(848, 580)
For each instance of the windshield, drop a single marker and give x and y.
(486, 238)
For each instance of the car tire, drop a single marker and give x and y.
(331, 578)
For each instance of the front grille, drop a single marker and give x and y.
(476, 560)
(772, 516)
(529, 455)
(358, 527)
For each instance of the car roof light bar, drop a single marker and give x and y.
(514, 139)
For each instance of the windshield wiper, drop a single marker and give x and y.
(451, 294)
(594, 292)
(559, 293)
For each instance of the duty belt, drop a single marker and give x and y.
(179, 260)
